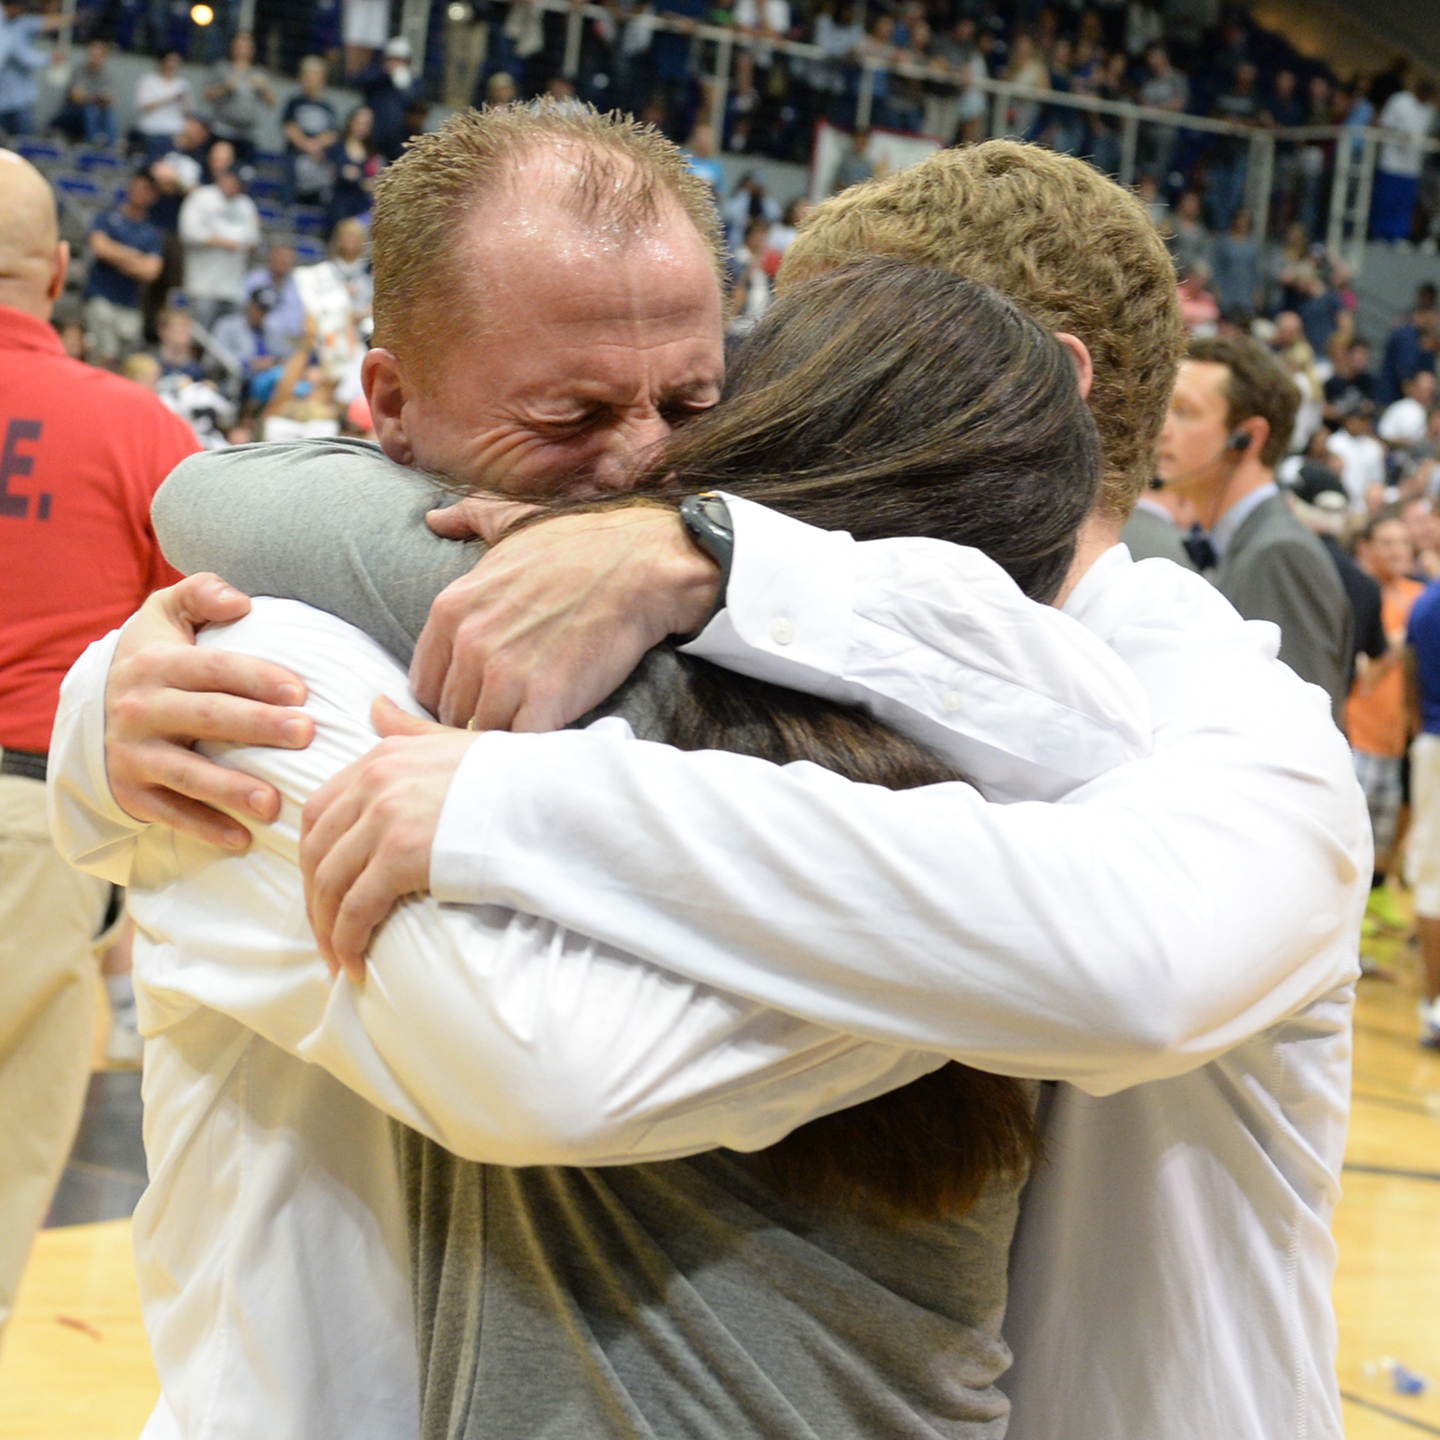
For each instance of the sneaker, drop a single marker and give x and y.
(1385, 911)
(1430, 1024)
(124, 1046)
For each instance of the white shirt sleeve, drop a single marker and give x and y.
(936, 640)
(506, 1038)
(1150, 921)
(90, 830)
(198, 217)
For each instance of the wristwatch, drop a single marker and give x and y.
(706, 519)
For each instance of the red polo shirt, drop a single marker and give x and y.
(81, 454)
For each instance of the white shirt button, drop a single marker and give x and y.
(951, 701)
(782, 631)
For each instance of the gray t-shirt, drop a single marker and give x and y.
(685, 1300)
(236, 113)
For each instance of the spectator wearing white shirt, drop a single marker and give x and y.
(1406, 422)
(784, 230)
(1361, 455)
(763, 20)
(1411, 112)
(162, 101)
(219, 226)
(754, 288)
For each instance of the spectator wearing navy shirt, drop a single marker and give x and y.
(1410, 347)
(310, 127)
(127, 252)
(1239, 103)
(1422, 859)
(670, 58)
(391, 90)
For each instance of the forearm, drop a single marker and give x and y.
(936, 640)
(354, 541)
(1161, 914)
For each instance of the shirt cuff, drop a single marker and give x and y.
(790, 598)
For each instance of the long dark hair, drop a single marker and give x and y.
(887, 399)
(884, 399)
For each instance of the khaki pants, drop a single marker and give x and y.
(1422, 845)
(49, 917)
(111, 331)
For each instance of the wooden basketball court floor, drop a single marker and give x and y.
(75, 1366)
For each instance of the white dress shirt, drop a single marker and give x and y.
(1177, 940)
(270, 1244)
(1084, 941)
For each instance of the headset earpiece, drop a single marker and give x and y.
(1239, 442)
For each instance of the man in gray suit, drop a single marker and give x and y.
(1230, 416)
(1152, 532)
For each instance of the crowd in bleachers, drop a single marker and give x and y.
(174, 285)
(1120, 50)
(169, 253)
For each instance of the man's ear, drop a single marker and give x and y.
(62, 268)
(1257, 427)
(384, 386)
(1084, 368)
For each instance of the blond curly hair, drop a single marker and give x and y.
(1069, 246)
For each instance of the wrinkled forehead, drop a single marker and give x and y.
(531, 259)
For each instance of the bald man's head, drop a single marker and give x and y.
(33, 258)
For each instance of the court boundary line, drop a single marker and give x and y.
(1399, 1415)
(1395, 1173)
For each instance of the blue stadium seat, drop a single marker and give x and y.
(93, 161)
(307, 219)
(81, 187)
(263, 189)
(269, 214)
(41, 151)
(307, 251)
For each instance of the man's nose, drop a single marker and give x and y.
(634, 438)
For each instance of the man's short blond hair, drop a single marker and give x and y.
(1067, 245)
(625, 174)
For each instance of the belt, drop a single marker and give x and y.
(27, 764)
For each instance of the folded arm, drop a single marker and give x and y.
(504, 1037)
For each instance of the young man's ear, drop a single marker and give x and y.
(1084, 368)
(1257, 427)
(384, 386)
